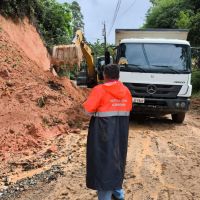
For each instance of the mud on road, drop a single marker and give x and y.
(163, 164)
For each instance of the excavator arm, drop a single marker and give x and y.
(67, 55)
(87, 54)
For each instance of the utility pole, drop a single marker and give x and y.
(106, 53)
(104, 35)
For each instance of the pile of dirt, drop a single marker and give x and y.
(34, 105)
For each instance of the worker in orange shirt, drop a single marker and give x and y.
(110, 105)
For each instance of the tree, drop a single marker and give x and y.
(55, 22)
(77, 17)
(163, 14)
(98, 48)
(176, 14)
(18, 9)
(184, 20)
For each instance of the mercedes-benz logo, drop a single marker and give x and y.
(151, 89)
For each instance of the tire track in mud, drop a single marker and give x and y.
(160, 158)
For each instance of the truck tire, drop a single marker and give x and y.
(178, 117)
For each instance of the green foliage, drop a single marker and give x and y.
(196, 81)
(18, 8)
(194, 34)
(55, 21)
(184, 20)
(98, 48)
(163, 14)
(77, 17)
(176, 14)
(196, 58)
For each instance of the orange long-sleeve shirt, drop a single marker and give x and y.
(109, 99)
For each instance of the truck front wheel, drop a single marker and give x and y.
(178, 117)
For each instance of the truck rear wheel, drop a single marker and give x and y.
(178, 117)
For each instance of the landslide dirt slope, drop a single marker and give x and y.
(27, 38)
(34, 105)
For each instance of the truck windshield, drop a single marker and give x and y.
(166, 58)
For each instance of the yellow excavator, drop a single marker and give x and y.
(70, 54)
(88, 75)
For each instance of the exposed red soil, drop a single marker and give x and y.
(27, 38)
(30, 110)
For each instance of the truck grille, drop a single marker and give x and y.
(161, 91)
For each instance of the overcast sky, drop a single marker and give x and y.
(131, 15)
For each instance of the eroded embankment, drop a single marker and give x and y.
(34, 105)
(25, 35)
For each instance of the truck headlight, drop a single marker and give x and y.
(183, 104)
(177, 104)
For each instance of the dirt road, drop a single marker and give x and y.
(163, 164)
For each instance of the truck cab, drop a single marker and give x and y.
(158, 74)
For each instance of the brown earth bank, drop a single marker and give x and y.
(163, 163)
(35, 106)
(25, 35)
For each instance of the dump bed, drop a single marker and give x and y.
(180, 34)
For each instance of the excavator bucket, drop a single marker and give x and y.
(69, 55)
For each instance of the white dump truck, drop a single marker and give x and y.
(156, 66)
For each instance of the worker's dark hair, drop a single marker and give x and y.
(111, 71)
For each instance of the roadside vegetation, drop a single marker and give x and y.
(56, 22)
(196, 82)
(176, 14)
(196, 72)
(98, 48)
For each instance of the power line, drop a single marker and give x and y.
(129, 8)
(115, 15)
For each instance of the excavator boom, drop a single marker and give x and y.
(79, 40)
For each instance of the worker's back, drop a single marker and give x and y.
(109, 99)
